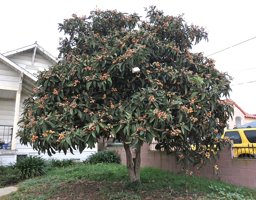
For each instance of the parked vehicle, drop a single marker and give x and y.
(244, 141)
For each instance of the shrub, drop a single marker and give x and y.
(31, 166)
(9, 175)
(61, 163)
(104, 157)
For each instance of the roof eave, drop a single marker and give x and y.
(32, 46)
(250, 116)
(18, 68)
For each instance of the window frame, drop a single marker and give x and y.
(235, 140)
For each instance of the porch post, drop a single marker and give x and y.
(16, 114)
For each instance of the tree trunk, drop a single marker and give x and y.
(133, 163)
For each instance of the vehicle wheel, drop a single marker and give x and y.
(246, 156)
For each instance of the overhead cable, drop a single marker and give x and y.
(237, 44)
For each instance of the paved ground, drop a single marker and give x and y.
(7, 190)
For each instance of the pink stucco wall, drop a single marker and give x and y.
(235, 171)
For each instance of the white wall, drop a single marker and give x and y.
(7, 159)
(9, 79)
(238, 113)
(24, 59)
(6, 111)
(60, 156)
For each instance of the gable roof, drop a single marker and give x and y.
(17, 67)
(35, 46)
(246, 115)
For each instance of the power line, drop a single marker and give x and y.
(243, 83)
(240, 70)
(237, 44)
(246, 69)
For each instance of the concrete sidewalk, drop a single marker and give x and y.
(7, 190)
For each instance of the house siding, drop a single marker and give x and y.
(7, 159)
(9, 83)
(7, 111)
(7, 117)
(24, 59)
(9, 79)
(58, 155)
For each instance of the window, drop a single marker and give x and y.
(20, 157)
(238, 121)
(251, 135)
(234, 135)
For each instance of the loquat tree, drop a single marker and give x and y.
(133, 79)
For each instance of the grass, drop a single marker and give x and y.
(110, 181)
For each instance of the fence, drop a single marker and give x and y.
(5, 136)
(231, 170)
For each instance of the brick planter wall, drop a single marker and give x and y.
(240, 172)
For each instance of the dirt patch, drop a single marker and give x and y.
(87, 190)
(96, 190)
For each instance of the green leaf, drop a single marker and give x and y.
(102, 125)
(203, 96)
(180, 117)
(104, 86)
(99, 84)
(71, 150)
(109, 81)
(194, 94)
(97, 128)
(149, 137)
(68, 141)
(182, 129)
(186, 127)
(151, 120)
(127, 129)
(118, 128)
(81, 147)
(81, 115)
(88, 85)
(52, 125)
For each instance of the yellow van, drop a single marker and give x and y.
(244, 141)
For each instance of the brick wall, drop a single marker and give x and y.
(235, 171)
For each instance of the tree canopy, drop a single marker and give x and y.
(130, 78)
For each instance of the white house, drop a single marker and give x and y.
(239, 117)
(18, 69)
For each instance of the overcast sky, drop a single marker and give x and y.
(228, 22)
